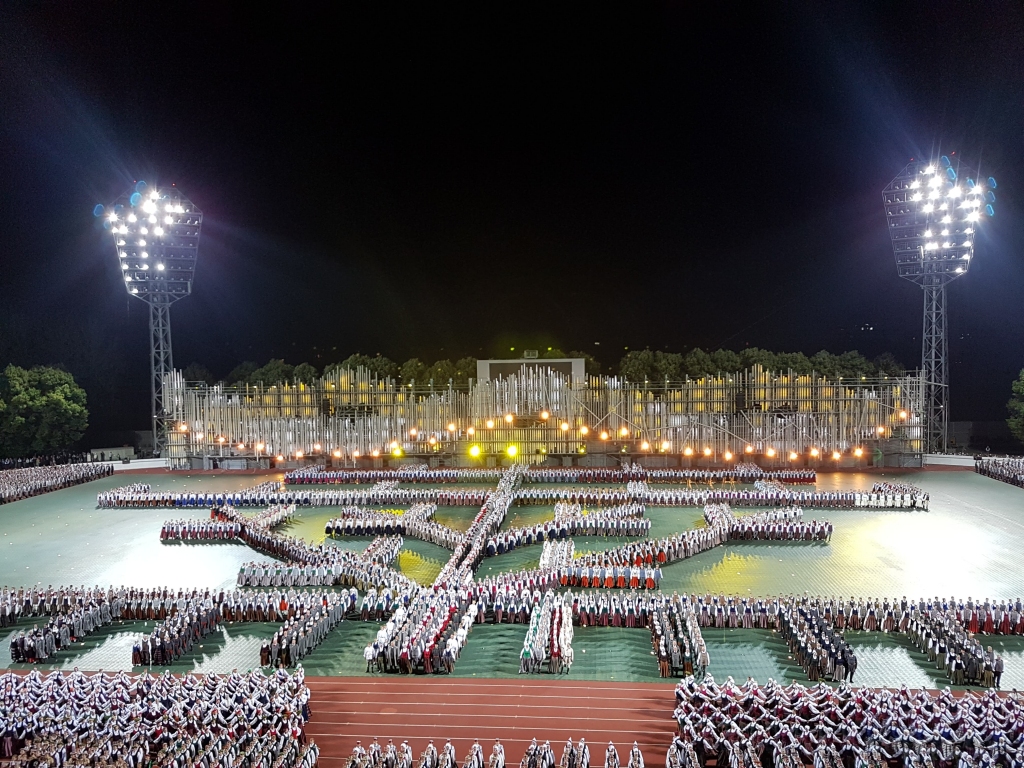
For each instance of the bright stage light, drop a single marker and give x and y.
(770, 452)
(665, 445)
(336, 454)
(280, 457)
(835, 455)
(432, 440)
(792, 456)
(355, 454)
(564, 426)
(396, 452)
(903, 414)
(412, 432)
(474, 451)
(707, 451)
(375, 453)
(814, 452)
(508, 418)
(623, 432)
(490, 423)
(687, 451)
(749, 449)
(727, 455)
(645, 446)
(858, 452)
(511, 451)
(584, 430)
(604, 435)
(545, 415)
(451, 427)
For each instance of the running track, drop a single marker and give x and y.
(416, 709)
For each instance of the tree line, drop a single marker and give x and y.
(636, 366)
(42, 411)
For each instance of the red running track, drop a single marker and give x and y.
(417, 709)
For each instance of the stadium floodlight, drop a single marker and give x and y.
(933, 216)
(156, 240)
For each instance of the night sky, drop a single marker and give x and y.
(440, 183)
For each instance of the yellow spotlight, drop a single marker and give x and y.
(623, 431)
(687, 451)
(727, 455)
(413, 432)
(508, 418)
(645, 446)
(474, 451)
(707, 451)
(396, 452)
(393, 445)
(316, 447)
(451, 427)
(470, 431)
(375, 453)
(511, 451)
(280, 457)
(544, 415)
(584, 430)
(665, 445)
(835, 455)
(770, 453)
(749, 449)
(604, 435)
(432, 440)
(490, 423)
(183, 427)
(564, 426)
(814, 451)
(337, 454)
(858, 452)
(903, 414)
(880, 430)
(260, 446)
(792, 456)
(298, 454)
(355, 454)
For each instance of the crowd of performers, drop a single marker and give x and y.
(536, 755)
(308, 624)
(1009, 470)
(23, 483)
(322, 566)
(785, 524)
(418, 473)
(417, 521)
(122, 721)
(743, 472)
(547, 646)
(768, 493)
(615, 521)
(749, 726)
(384, 493)
(66, 615)
(675, 631)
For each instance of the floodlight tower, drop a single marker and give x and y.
(156, 239)
(933, 219)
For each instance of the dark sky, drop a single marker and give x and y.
(431, 182)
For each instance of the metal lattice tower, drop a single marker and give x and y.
(156, 238)
(933, 220)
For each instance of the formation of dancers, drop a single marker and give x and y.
(748, 726)
(547, 646)
(25, 482)
(122, 721)
(1009, 470)
(537, 755)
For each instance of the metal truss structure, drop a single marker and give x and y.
(352, 414)
(933, 220)
(156, 238)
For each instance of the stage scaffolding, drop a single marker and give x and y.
(351, 415)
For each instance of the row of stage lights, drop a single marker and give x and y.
(475, 451)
